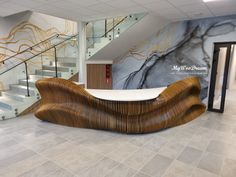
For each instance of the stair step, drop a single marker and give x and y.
(64, 64)
(23, 89)
(67, 59)
(47, 73)
(24, 82)
(59, 68)
(6, 113)
(37, 77)
(9, 104)
(3, 110)
(105, 40)
(14, 95)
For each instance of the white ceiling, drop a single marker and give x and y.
(84, 10)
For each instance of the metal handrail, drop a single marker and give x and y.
(115, 26)
(30, 48)
(110, 29)
(105, 34)
(39, 54)
(25, 61)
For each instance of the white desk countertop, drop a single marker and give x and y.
(99, 62)
(126, 95)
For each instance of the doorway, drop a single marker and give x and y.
(219, 76)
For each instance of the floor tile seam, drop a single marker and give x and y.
(197, 168)
(31, 147)
(48, 159)
(118, 163)
(32, 141)
(142, 173)
(106, 155)
(122, 163)
(150, 161)
(139, 169)
(58, 164)
(26, 149)
(30, 168)
(143, 146)
(176, 159)
(172, 165)
(205, 150)
(83, 146)
(221, 169)
(219, 154)
(202, 158)
(91, 149)
(8, 146)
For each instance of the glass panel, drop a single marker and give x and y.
(67, 54)
(19, 73)
(40, 61)
(30, 52)
(100, 33)
(69, 48)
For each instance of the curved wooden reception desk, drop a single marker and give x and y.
(65, 103)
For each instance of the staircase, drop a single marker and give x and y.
(24, 94)
(119, 25)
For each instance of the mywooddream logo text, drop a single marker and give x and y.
(184, 69)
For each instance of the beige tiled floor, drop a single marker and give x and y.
(205, 147)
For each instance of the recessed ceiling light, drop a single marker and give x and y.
(209, 0)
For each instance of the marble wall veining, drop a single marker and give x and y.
(179, 50)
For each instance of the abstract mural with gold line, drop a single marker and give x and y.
(26, 33)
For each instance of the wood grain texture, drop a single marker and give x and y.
(36, 105)
(75, 77)
(66, 103)
(96, 77)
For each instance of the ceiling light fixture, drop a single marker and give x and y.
(209, 0)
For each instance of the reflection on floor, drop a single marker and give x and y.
(205, 147)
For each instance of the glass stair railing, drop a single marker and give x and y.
(102, 32)
(55, 57)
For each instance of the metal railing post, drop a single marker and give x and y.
(50, 48)
(27, 78)
(113, 24)
(55, 53)
(105, 27)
